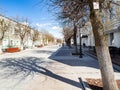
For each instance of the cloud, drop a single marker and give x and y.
(41, 25)
(56, 31)
(25, 23)
(56, 28)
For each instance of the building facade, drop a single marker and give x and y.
(112, 25)
(12, 39)
(111, 22)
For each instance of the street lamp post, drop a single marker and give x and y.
(82, 24)
(80, 44)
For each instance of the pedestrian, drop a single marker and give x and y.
(84, 45)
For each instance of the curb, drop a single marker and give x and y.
(116, 67)
(95, 57)
(53, 55)
(84, 84)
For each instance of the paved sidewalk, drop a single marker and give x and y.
(86, 67)
(83, 67)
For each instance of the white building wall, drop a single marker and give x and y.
(90, 40)
(85, 40)
(109, 40)
(117, 39)
(93, 41)
(89, 43)
(11, 39)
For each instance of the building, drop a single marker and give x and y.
(12, 39)
(111, 22)
(86, 34)
(112, 25)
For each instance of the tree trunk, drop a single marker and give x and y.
(0, 46)
(75, 38)
(0, 42)
(33, 44)
(101, 44)
(22, 45)
(68, 42)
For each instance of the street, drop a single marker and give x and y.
(47, 68)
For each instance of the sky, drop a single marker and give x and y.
(36, 11)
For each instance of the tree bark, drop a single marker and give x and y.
(22, 45)
(33, 44)
(0, 46)
(101, 44)
(0, 42)
(75, 38)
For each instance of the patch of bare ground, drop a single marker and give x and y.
(96, 84)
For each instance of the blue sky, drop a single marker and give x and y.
(35, 10)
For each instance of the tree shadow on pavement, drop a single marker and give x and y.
(29, 66)
(74, 60)
(43, 51)
(63, 56)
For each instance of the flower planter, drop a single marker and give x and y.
(12, 50)
(40, 46)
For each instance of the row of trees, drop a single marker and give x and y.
(77, 12)
(48, 36)
(68, 34)
(23, 32)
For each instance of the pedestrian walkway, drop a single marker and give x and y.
(86, 67)
(81, 66)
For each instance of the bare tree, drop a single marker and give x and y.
(48, 37)
(68, 34)
(34, 36)
(4, 27)
(77, 9)
(69, 11)
(22, 31)
(101, 43)
(59, 40)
